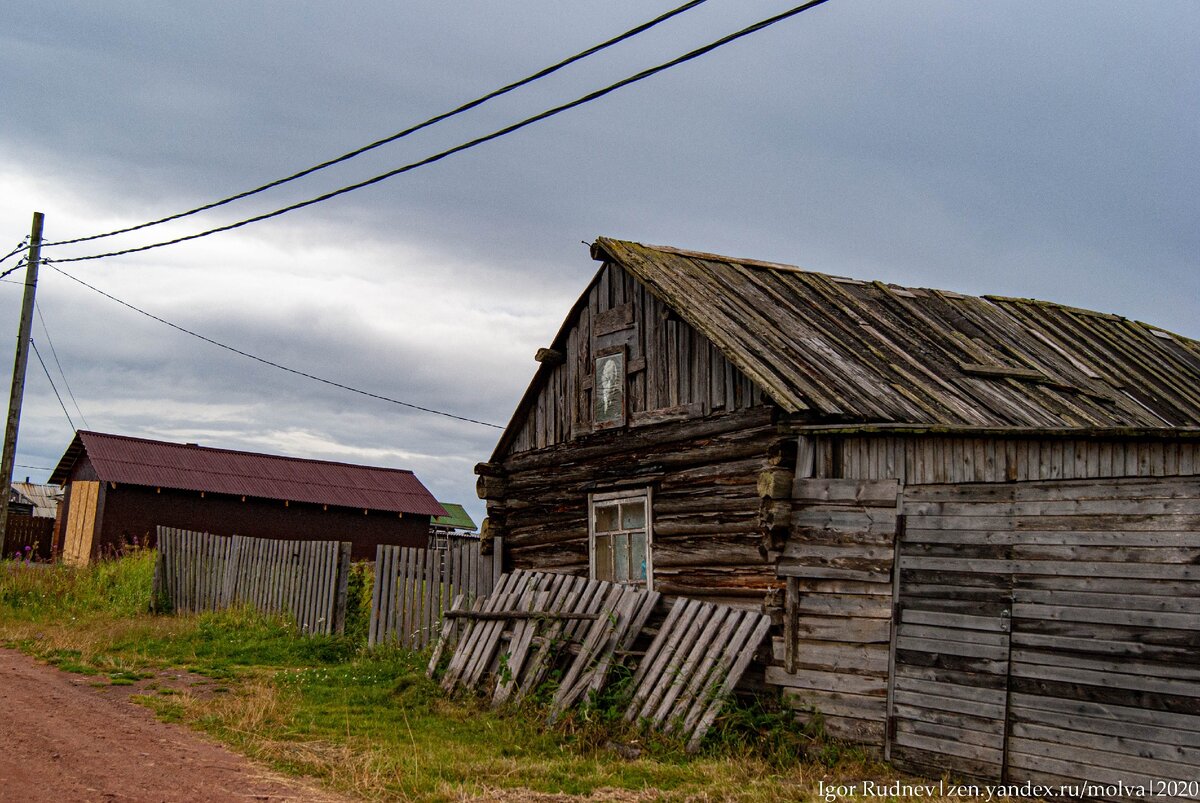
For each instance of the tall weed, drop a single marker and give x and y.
(113, 587)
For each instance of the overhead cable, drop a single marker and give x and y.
(15, 267)
(645, 26)
(52, 387)
(50, 263)
(588, 98)
(61, 372)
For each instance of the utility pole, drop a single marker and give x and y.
(18, 377)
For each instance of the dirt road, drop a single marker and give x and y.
(64, 740)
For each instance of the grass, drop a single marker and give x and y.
(370, 722)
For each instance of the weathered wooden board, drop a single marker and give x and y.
(415, 587)
(838, 563)
(930, 459)
(1099, 678)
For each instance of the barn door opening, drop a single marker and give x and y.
(949, 680)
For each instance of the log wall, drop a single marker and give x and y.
(707, 528)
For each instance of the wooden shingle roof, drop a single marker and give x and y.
(847, 350)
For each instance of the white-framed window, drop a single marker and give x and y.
(619, 536)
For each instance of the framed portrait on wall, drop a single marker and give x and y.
(608, 393)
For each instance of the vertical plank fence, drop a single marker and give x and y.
(305, 579)
(415, 587)
(34, 532)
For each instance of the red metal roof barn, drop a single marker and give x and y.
(119, 489)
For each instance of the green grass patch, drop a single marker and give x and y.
(370, 722)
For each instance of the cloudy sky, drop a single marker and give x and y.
(1025, 148)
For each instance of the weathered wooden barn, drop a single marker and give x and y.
(118, 490)
(976, 519)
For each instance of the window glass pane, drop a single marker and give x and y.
(604, 558)
(633, 515)
(608, 395)
(637, 550)
(606, 518)
(620, 550)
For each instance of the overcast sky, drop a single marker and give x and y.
(1036, 149)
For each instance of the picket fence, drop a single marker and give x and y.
(415, 587)
(204, 572)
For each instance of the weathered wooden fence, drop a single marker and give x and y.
(304, 579)
(28, 531)
(535, 622)
(415, 587)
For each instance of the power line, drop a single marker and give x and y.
(23, 245)
(15, 267)
(62, 373)
(52, 387)
(588, 98)
(264, 361)
(645, 26)
(36, 468)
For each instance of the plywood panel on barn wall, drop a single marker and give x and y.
(82, 511)
(672, 371)
(927, 459)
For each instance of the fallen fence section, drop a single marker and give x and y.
(415, 587)
(204, 572)
(534, 623)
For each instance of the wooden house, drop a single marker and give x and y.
(975, 519)
(120, 489)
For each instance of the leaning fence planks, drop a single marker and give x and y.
(204, 572)
(535, 622)
(693, 665)
(415, 587)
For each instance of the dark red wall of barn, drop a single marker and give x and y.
(130, 511)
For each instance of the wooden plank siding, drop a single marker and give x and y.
(932, 459)
(833, 654)
(1098, 676)
(672, 371)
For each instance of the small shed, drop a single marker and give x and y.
(975, 520)
(457, 523)
(44, 498)
(119, 489)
